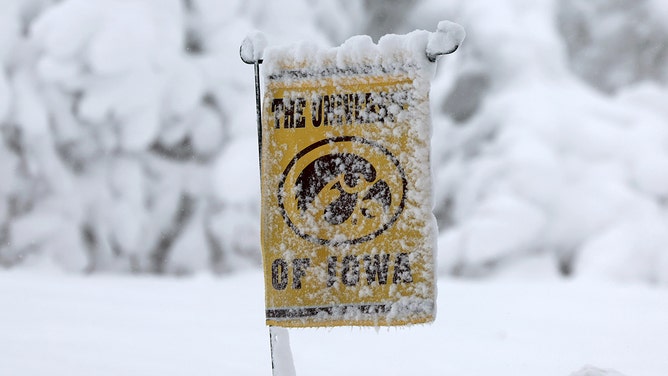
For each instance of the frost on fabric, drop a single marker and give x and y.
(348, 233)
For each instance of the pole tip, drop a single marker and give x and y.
(252, 47)
(445, 40)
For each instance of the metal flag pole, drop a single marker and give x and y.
(281, 354)
(251, 52)
(445, 40)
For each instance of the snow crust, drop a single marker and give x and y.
(356, 50)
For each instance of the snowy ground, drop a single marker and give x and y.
(110, 325)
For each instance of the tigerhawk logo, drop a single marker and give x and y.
(342, 190)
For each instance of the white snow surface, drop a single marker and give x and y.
(52, 324)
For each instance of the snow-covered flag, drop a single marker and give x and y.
(348, 234)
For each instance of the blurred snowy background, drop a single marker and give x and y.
(128, 145)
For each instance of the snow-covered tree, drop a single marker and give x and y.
(613, 44)
(127, 132)
(532, 162)
(123, 125)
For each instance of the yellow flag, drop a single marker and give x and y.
(348, 234)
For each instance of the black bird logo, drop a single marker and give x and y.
(349, 174)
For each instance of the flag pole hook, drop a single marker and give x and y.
(445, 40)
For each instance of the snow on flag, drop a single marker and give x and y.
(348, 234)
